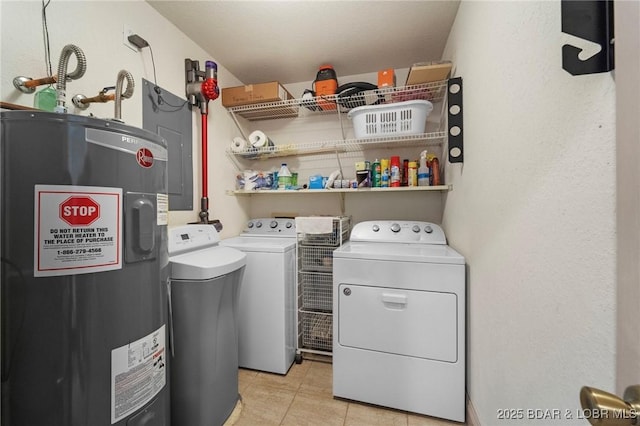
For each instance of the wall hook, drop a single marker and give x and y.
(591, 20)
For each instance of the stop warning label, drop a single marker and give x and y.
(78, 229)
(79, 211)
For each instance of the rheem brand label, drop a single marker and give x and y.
(78, 229)
(144, 157)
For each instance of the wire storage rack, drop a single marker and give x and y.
(317, 238)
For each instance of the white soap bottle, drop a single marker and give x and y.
(284, 177)
(423, 170)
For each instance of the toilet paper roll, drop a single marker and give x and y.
(259, 140)
(238, 144)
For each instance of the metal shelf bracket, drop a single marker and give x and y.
(454, 114)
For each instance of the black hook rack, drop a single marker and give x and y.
(590, 20)
(454, 128)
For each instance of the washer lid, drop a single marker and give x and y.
(260, 244)
(205, 264)
(400, 252)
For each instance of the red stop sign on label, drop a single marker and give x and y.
(79, 211)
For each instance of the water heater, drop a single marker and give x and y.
(84, 272)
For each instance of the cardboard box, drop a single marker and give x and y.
(426, 72)
(245, 96)
(254, 94)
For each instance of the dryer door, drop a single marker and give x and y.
(421, 324)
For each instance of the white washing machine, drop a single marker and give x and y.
(399, 319)
(205, 280)
(267, 304)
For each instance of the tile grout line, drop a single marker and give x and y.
(294, 395)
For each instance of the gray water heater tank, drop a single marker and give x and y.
(84, 272)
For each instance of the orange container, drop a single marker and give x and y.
(326, 84)
(386, 78)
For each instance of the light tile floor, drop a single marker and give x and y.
(304, 398)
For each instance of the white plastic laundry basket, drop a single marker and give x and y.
(397, 119)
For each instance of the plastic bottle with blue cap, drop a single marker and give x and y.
(284, 177)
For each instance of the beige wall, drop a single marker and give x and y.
(96, 27)
(533, 210)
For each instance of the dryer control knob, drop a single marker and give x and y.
(375, 228)
(289, 225)
(395, 228)
(415, 228)
(250, 225)
(428, 229)
(273, 224)
(258, 224)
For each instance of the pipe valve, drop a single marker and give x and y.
(28, 85)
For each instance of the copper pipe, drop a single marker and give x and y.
(28, 85)
(40, 81)
(82, 102)
(99, 98)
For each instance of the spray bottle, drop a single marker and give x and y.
(423, 170)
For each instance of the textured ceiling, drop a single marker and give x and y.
(287, 41)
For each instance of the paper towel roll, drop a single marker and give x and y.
(259, 140)
(238, 144)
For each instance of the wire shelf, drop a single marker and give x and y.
(338, 235)
(346, 145)
(316, 259)
(399, 189)
(317, 330)
(433, 92)
(316, 291)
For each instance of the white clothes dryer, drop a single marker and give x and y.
(399, 319)
(267, 301)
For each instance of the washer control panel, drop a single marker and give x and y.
(398, 231)
(272, 227)
(192, 237)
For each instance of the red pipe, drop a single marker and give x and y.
(205, 178)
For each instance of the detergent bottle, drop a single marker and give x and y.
(284, 177)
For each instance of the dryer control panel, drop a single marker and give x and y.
(272, 227)
(398, 231)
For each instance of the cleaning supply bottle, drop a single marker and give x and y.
(385, 173)
(434, 172)
(376, 172)
(394, 175)
(423, 170)
(284, 177)
(412, 178)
